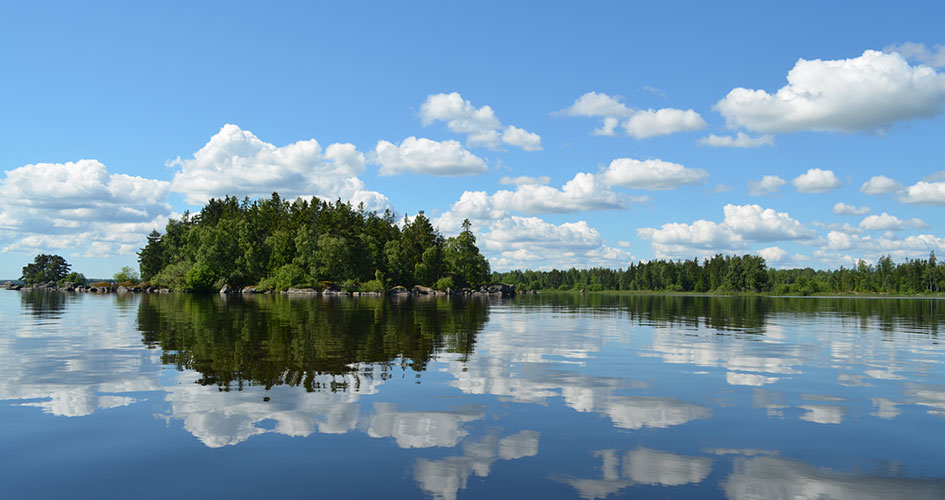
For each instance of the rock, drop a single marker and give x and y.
(302, 291)
(248, 289)
(225, 290)
(422, 290)
(121, 290)
(397, 290)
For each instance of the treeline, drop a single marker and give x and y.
(276, 244)
(747, 273)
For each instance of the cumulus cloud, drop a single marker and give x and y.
(816, 180)
(864, 93)
(740, 140)
(924, 193)
(702, 238)
(639, 124)
(742, 224)
(772, 254)
(597, 104)
(768, 184)
(425, 156)
(918, 52)
(755, 223)
(524, 180)
(77, 205)
(665, 121)
(480, 125)
(848, 247)
(582, 193)
(886, 222)
(841, 208)
(529, 242)
(235, 162)
(654, 175)
(880, 184)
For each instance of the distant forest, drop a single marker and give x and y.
(276, 244)
(747, 273)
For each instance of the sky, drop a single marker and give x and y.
(576, 134)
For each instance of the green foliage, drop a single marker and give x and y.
(127, 274)
(738, 274)
(74, 277)
(287, 276)
(350, 285)
(444, 283)
(45, 268)
(375, 286)
(200, 278)
(463, 261)
(152, 258)
(278, 244)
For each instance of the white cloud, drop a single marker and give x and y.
(842, 208)
(924, 193)
(665, 121)
(639, 124)
(816, 180)
(886, 222)
(868, 92)
(77, 205)
(772, 254)
(755, 223)
(740, 140)
(702, 238)
(918, 52)
(524, 180)
(480, 125)
(582, 193)
(880, 184)
(529, 141)
(768, 184)
(650, 174)
(237, 163)
(742, 224)
(597, 104)
(530, 242)
(425, 156)
(851, 247)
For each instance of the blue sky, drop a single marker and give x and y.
(117, 116)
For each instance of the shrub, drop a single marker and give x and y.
(350, 285)
(444, 283)
(200, 278)
(374, 285)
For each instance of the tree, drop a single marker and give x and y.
(151, 258)
(45, 268)
(127, 274)
(463, 260)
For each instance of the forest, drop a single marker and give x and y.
(747, 273)
(276, 244)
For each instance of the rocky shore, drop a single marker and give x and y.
(495, 289)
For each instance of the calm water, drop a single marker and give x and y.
(543, 396)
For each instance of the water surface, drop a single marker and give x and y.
(558, 396)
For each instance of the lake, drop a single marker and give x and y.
(547, 396)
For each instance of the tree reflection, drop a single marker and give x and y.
(275, 340)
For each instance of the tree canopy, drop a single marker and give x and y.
(277, 244)
(45, 268)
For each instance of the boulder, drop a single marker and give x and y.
(121, 290)
(225, 290)
(398, 290)
(422, 290)
(249, 289)
(302, 291)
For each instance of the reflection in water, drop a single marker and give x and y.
(737, 374)
(444, 478)
(420, 429)
(266, 340)
(769, 478)
(640, 466)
